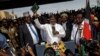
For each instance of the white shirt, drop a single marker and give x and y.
(48, 31)
(64, 25)
(76, 31)
(43, 35)
(34, 38)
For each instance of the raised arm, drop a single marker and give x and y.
(40, 26)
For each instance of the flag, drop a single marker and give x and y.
(35, 7)
(87, 30)
(87, 9)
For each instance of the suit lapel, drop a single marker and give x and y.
(26, 30)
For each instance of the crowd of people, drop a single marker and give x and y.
(22, 34)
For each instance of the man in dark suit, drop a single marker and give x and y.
(67, 25)
(28, 36)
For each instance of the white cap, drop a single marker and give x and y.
(26, 14)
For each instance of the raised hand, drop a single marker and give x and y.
(35, 15)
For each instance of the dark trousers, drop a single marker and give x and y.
(34, 50)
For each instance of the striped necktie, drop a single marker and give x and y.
(35, 32)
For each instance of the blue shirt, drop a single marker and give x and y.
(3, 42)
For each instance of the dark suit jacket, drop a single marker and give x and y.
(68, 31)
(94, 32)
(25, 36)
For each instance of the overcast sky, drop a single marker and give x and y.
(54, 7)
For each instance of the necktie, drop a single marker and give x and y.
(76, 35)
(35, 33)
(53, 29)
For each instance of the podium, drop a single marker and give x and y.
(41, 48)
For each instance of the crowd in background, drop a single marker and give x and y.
(10, 27)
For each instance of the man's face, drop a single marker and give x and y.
(52, 21)
(96, 23)
(64, 18)
(27, 19)
(79, 18)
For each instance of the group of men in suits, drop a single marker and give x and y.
(29, 35)
(29, 32)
